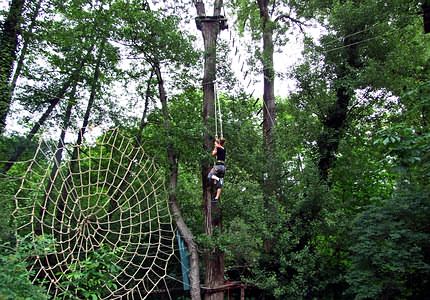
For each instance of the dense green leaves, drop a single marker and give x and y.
(15, 281)
(90, 277)
(390, 249)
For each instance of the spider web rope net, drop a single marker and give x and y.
(89, 196)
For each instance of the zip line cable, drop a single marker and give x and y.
(364, 30)
(350, 35)
(360, 42)
(369, 27)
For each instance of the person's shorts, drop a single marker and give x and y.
(219, 170)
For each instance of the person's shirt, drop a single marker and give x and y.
(220, 154)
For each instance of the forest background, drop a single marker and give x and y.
(327, 188)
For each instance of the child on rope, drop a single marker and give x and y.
(218, 170)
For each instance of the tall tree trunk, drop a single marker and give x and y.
(71, 81)
(210, 27)
(26, 41)
(269, 112)
(173, 203)
(329, 138)
(8, 49)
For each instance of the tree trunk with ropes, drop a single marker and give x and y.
(210, 27)
(269, 112)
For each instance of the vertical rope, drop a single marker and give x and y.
(218, 105)
(268, 112)
(216, 112)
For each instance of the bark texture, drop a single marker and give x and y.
(269, 113)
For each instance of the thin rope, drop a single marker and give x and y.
(369, 27)
(361, 41)
(217, 104)
(167, 288)
(175, 279)
(216, 111)
(268, 112)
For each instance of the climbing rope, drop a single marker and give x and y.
(218, 113)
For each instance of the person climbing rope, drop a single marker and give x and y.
(217, 172)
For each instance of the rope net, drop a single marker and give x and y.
(91, 197)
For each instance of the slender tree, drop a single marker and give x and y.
(8, 48)
(58, 158)
(27, 38)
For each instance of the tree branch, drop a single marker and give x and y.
(200, 7)
(295, 21)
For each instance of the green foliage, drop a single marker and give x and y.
(10, 182)
(408, 149)
(89, 278)
(153, 34)
(247, 13)
(390, 249)
(15, 279)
